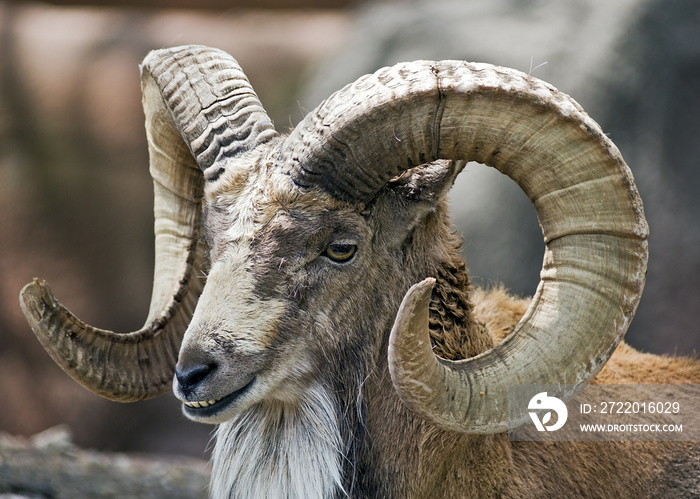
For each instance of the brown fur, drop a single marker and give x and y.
(491, 466)
(452, 312)
(405, 456)
(500, 312)
(387, 450)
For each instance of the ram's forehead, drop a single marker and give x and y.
(251, 197)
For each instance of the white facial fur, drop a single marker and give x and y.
(279, 450)
(232, 328)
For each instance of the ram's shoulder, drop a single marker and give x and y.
(628, 365)
(498, 310)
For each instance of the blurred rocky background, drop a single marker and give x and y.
(76, 198)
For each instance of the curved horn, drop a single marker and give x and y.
(200, 112)
(589, 210)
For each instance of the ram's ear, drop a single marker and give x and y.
(427, 184)
(407, 199)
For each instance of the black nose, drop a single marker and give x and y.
(188, 377)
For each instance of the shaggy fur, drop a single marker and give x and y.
(407, 457)
(492, 466)
(329, 423)
(364, 442)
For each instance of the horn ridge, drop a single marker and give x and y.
(209, 96)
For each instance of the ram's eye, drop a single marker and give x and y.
(340, 252)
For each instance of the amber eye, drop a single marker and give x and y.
(340, 252)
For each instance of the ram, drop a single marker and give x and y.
(309, 295)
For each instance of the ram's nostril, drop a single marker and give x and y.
(189, 377)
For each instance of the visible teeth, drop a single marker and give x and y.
(202, 403)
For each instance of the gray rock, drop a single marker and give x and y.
(50, 465)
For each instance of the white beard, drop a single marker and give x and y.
(280, 450)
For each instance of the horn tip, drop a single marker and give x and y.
(425, 284)
(411, 323)
(419, 292)
(35, 298)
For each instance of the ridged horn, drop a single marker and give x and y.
(584, 194)
(201, 113)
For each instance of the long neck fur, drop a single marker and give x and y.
(405, 456)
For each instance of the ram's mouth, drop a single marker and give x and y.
(202, 403)
(213, 407)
